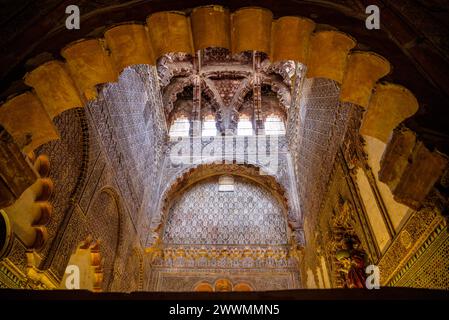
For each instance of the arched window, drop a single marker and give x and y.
(244, 126)
(274, 125)
(209, 127)
(180, 127)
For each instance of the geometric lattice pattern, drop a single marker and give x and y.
(131, 127)
(65, 157)
(322, 122)
(247, 216)
(429, 268)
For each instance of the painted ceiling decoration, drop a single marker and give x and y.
(226, 83)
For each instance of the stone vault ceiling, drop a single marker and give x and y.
(226, 82)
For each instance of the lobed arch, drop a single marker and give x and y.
(58, 86)
(172, 90)
(329, 54)
(173, 65)
(281, 90)
(278, 87)
(178, 85)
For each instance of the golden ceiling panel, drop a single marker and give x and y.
(96, 61)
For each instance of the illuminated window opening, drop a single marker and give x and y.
(209, 127)
(244, 126)
(226, 184)
(180, 127)
(274, 126)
